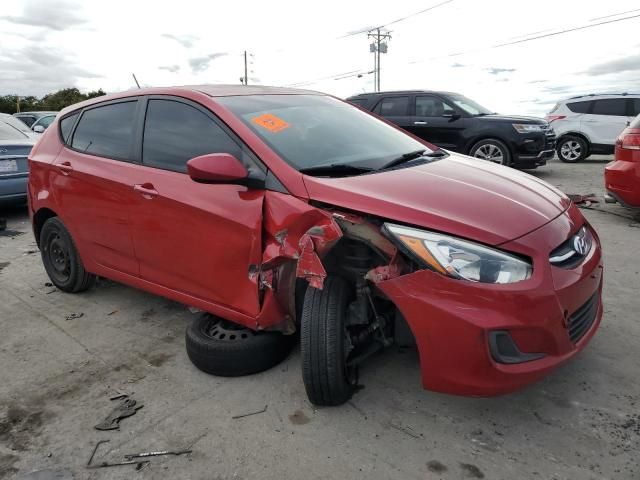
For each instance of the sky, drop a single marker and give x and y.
(457, 46)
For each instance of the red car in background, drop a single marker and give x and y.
(277, 210)
(622, 176)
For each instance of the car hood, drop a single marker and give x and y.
(513, 118)
(459, 195)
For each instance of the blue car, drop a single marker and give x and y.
(16, 141)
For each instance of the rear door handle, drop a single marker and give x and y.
(65, 168)
(146, 190)
(417, 122)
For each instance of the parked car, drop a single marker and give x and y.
(276, 210)
(16, 141)
(590, 124)
(30, 118)
(622, 176)
(42, 123)
(457, 123)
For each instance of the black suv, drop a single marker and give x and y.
(454, 122)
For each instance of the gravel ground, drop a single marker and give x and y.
(58, 372)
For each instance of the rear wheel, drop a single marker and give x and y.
(492, 150)
(61, 259)
(325, 343)
(572, 149)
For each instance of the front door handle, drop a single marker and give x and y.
(417, 122)
(65, 168)
(146, 190)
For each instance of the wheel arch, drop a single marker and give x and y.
(39, 218)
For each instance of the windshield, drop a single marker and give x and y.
(9, 132)
(15, 123)
(468, 105)
(309, 131)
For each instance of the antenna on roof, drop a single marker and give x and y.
(134, 77)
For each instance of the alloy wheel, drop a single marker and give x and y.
(571, 150)
(491, 153)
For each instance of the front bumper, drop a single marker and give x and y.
(451, 320)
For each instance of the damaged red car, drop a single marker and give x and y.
(278, 211)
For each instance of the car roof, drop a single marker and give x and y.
(593, 96)
(38, 113)
(406, 92)
(210, 90)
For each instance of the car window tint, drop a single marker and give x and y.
(175, 132)
(66, 124)
(46, 121)
(360, 102)
(429, 106)
(636, 106)
(579, 107)
(610, 106)
(392, 106)
(106, 131)
(28, 120)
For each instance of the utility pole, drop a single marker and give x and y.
(379, 45)
(246, 77)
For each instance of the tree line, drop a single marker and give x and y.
(52, 101)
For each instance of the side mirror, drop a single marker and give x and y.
(38, 129)
(216, 168)
(452, 116)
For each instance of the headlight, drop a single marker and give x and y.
(527, 128)
(459, 258)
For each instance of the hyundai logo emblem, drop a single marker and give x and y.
(580, 244)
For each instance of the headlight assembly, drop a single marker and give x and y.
(527, 128)
(459, 258)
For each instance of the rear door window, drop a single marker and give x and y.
(393, 107)
(579, 107)
(430, 106)
(175, 132)
(107, 131)
(610, 106)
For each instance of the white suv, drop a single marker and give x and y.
(591, 124)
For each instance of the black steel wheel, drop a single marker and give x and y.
(61, 260)
(219, 347)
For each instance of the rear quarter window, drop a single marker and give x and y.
(66, 125)
(579, 107)
(106, 131)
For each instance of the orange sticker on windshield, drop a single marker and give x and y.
(270, 122)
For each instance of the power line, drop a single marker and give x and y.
(615, 14)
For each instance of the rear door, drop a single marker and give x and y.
(606, 119)
(437, 121)
(199, 239)
(91, 182)
(396, 109)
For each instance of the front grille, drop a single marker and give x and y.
(572, 251)
(583, 318)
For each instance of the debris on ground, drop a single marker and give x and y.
(112, 312)
(126, 408)
(73, 316)
(242, 415)
(407, 430)
(131, 459)
(48, 284)
(30, 251)
(586, 200)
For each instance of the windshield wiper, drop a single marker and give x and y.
(338, 168)
(407, 157)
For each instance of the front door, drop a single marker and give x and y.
(607, 119)
(198, 239)
(437, 122)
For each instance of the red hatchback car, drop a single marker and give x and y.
(622, 176)
(278, 210)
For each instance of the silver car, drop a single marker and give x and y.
(16, 140)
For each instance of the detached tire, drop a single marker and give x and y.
(326, 377)
(61, 259)
(226, 349)
(572, 149)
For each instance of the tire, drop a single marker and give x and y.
(572, 149)
(226, 349)
(61, 259)
(493, 150)
(326, 377)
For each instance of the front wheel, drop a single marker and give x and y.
(492, 150)
(325, 344)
